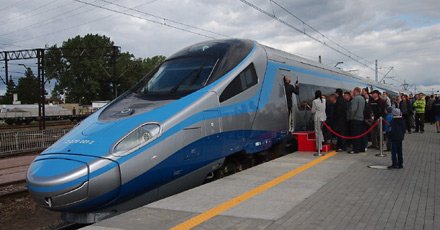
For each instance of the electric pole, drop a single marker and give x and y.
(6, 70)
(375, 71)
(405, 85)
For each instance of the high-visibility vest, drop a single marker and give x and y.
(419, 105)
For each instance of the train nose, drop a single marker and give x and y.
(63, 183)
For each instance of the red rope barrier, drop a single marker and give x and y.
(347, 137)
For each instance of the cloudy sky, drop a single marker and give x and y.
(402, 34)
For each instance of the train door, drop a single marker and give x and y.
(290, 118)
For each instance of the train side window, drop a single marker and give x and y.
(246, 79)
(307, 95)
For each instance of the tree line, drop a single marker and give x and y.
(85, 69)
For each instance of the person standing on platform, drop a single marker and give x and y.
(377, 106)
(356, 117)
(347, 96)
(386, 99)
(387, 127)
(419, 107)
(407, 112)
(318, 109)
(397, 134)
(368, 118)
(347, 99)
(290, 90)
(340, 120)
(412, 99)
(436, 111)
(429, 115)
(396, 102)
(366, 94)
(330, 113)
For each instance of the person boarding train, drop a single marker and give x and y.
(290, 90)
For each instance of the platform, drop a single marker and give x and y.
(297, 192)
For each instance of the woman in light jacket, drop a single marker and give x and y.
(318, 109)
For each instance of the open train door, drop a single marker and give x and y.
(290, 122)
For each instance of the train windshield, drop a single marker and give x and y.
(178, 77)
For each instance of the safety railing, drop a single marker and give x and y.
(12, 142)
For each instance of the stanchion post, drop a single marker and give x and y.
(319, 142)
(381, 154)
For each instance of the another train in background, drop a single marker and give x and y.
(26, 113)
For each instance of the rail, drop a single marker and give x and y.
(12, 142)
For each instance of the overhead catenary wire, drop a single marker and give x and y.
(164, 19)
(305, 33)
(48, 20)
(317, 31)
(14, 4)
(31, 13)
(70, 27)
(163, 23)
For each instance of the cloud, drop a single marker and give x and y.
(404, 35)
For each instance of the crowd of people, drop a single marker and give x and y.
(352, 114)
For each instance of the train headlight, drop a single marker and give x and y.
(136, 139)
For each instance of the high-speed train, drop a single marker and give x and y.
(177, 125)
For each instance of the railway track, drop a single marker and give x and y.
(13, 189)
(52, 124)
(18, 190)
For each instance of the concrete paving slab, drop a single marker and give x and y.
(227, 222)
(144, 218)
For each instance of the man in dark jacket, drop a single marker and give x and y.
(407, 111)
(397, 134)
(290, 89)
(329, 112)
(377, 106)
(340, 119)
(436, 110)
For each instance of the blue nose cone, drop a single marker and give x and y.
(57, 182)
(73, 183)
(57, 174)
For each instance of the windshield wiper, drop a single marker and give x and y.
(210, 74)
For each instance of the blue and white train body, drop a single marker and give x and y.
(177, 125)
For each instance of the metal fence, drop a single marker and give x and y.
(28, 140)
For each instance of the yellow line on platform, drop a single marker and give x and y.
(193, 222)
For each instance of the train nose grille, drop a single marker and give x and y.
(58, 182)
